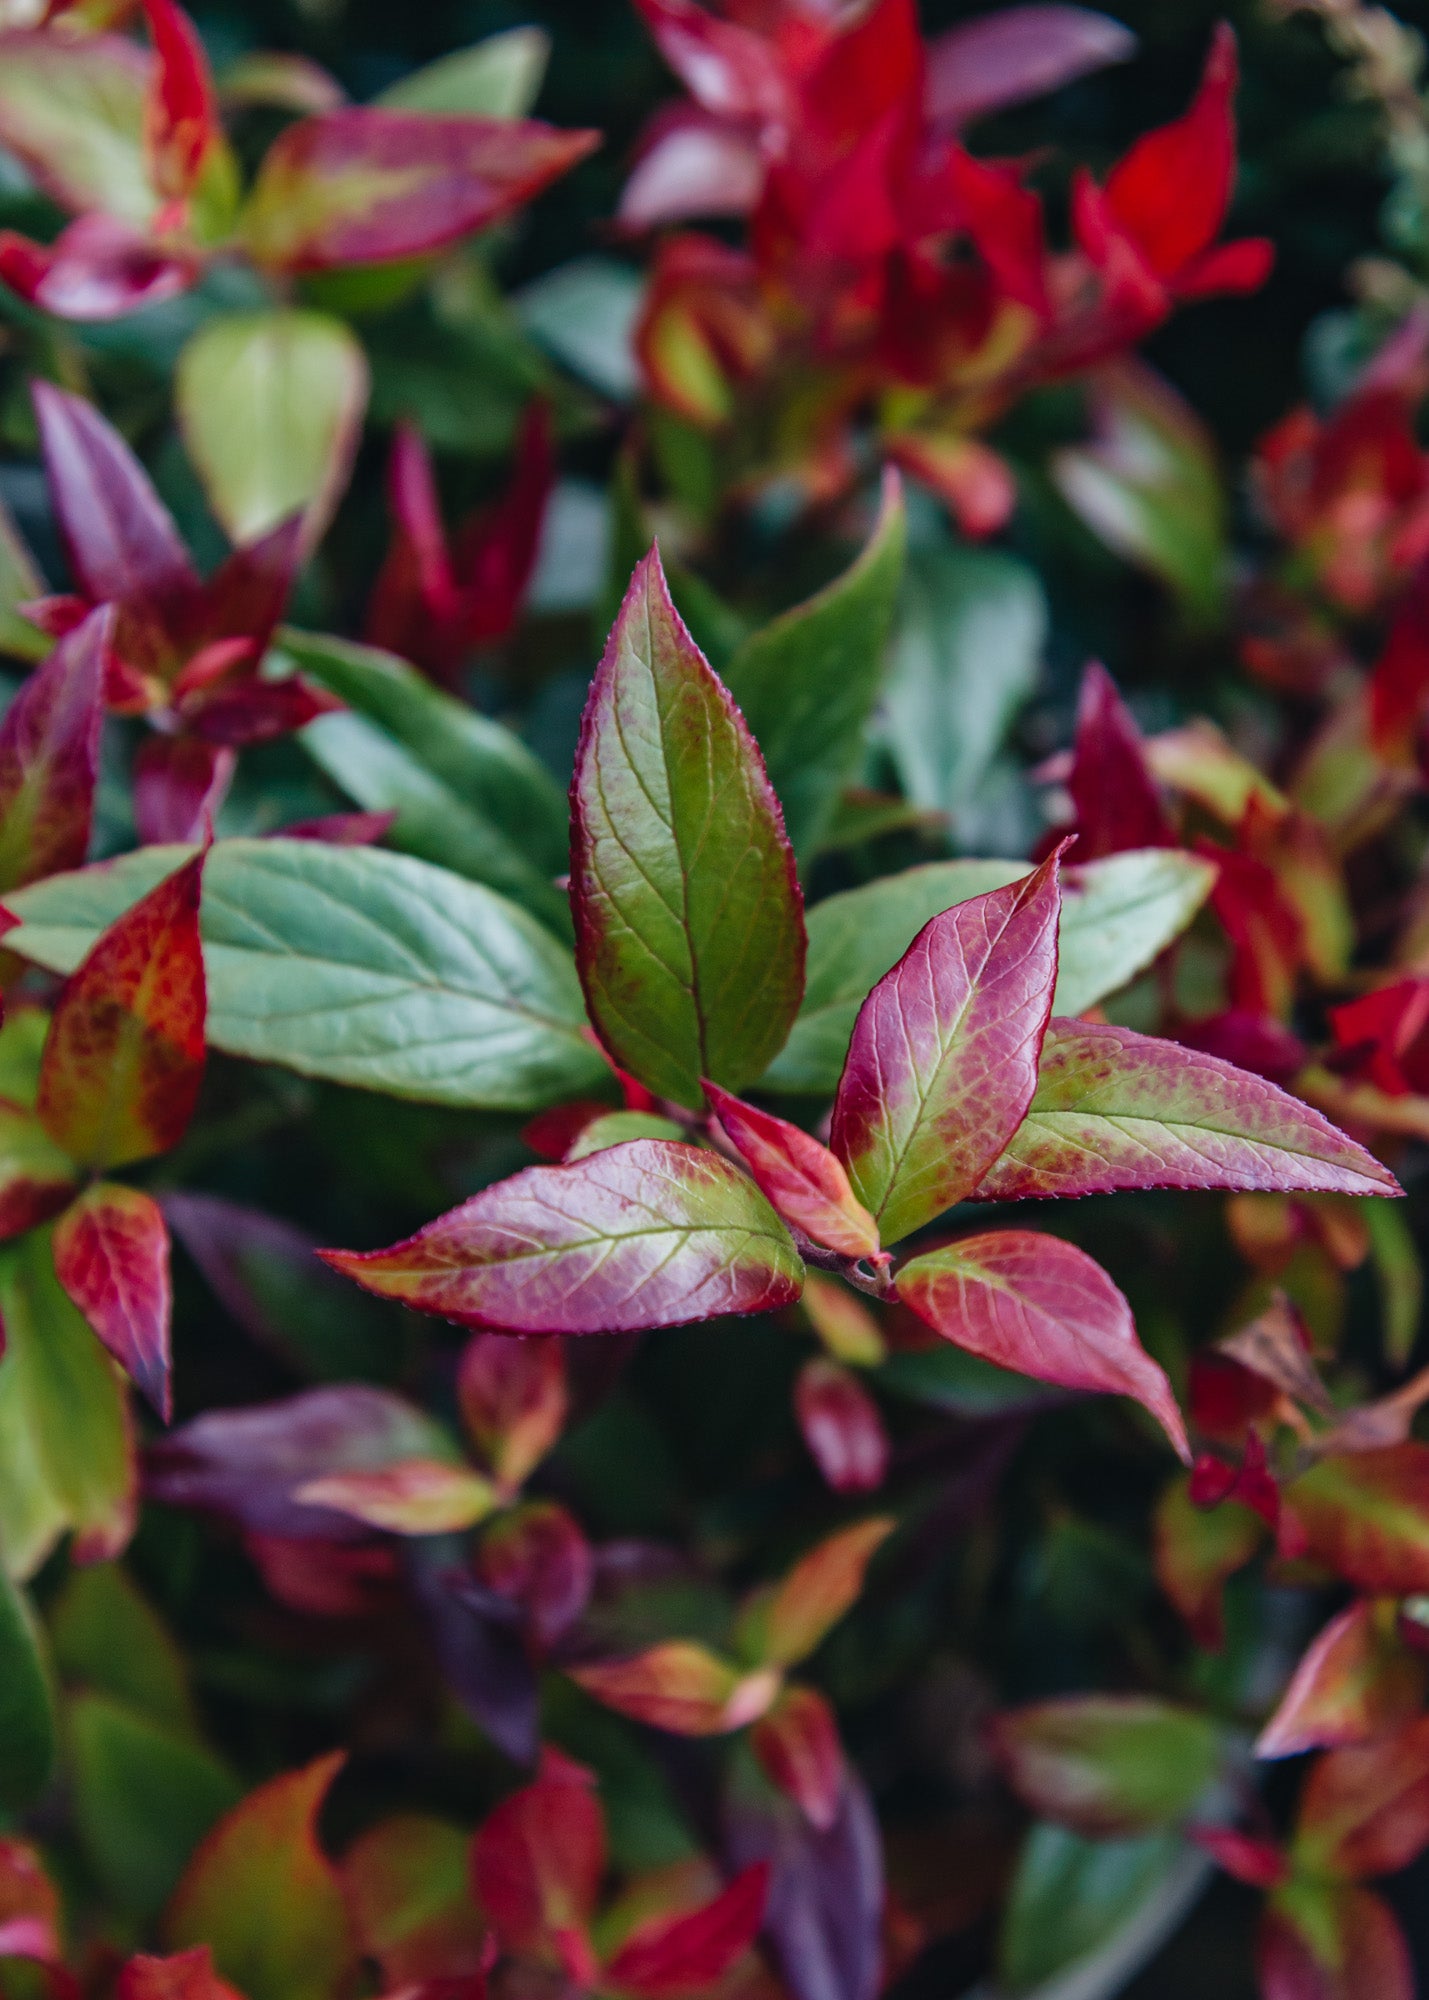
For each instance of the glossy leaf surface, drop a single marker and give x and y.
(943, 1060)
(802, 1178)
(355, 965)
(1113, 1109)
(689, 935)
(644, 1234)
(1042, 1307)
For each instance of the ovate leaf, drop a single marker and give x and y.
(73, 111)
(1042, 1307)
(1108, 1765)
(271, 406)
(667, 1956)
(264, 1896)
(1115, 1109)
(679, 1686)
(49, 758)
(640, 1235)
(112, 1257)
(1356, 1680)
(689, 935)
(499, 77)
(27, 1721)
(1072, 1898)
(943, 1060)
(354, 965)
(807, 683)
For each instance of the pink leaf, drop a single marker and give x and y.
(1042, 1307)
(804, 1180)
(179, 784)
(537, 1555)
(797, 1743)
(1355, 1680)
(667, 1958)
(97, 269)
(537, 1862)
(691, 164)
(1114, 1109)
(112, 1256)
(645, 1234)
(841, 1426)
(1118, 805)
(513, 1400)
(943, 1060)
(729, 70)
(1005, 58)
(49, 758)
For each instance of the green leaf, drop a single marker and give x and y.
(1072, 1897)
(27, 1718)
(947, 1378)
(966, 653)
(500, 77)
(66, 1456)
(807, 683)
(354, 965)
(144, 1798)
(73, 112)
(107, 1638)
(689, 935)
(271, 407)
(1117, 915)
(1108, 1766)
(616, 1127)
(468, 793)
(20, 583)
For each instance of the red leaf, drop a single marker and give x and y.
(37, 1179)
(1114, 1109)
(112, 1256)
(1399, 685)
(1005, 58)
(942, 1064)
(414, 610)
(97, 269)
(188, 1976)
(1171, 192)
(680, 1686)
(1365, 1809)
(496, 549)
(181, 125)
(513, 1400)
(123, 1059)
(247, 595)
(667, 1958)
(49, 758)
(1355, 1680)
(1367, 1953)
(537, 1556)
(538, 1860)
(797, 1743)
(841, 1426)
(1258, 1863)
(645, 1234)
(1004, 220)
(29, 1904)
(119, 538)
(1366, 1517)
(1043, 1308)
(368, 186)
(728, 69)
(804, 1180)
(1118, 805)
(179, 784)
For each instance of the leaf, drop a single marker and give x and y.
(667, 1958)
(614, 1128)
(966, 653)
(999, 59)
(357, 966)
(73, 112)
(108, 1638)
(1117, 804)
(1331, 1941)
(481, 1647)
(1072, 1899)
(1108, 1766)
(806, 684)
(1115, 1109)
(264, 1896)
(1366, 1517)
(271, 407)
(513, 1400)
(1042, 1307)
(182, 130)
(1365, 1808)
(145, 1796)
(406, 1883)
(1117, 914)
(797, 1744)
(538, 1860)
(27, 1710)
(49, 758)
(843, 1322)
(124, 1056)
(112, 1257)
(248, 1464)
(414, 1496)
(942, 1063)
(689, 936)
(478, 762)
(1196, 1550)
(499, 77)
(1355, 1681)
(840, 1423)
(536, 1556)
(368, 186)
(640, 1235)
(188, 1975)
(66, 1453)
(37, 1178)
(803, 1179)
(20, 584)
(785, 1622)
(679, 1686)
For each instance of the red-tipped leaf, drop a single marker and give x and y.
(112, 1257)
(181, 124)
(669, 1958)
(537, 1862)
(1118, 805)
(804, 1180)
(49, 758)
(1355, 1680)
(797, 1743)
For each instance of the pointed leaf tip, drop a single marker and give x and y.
(111, 1250)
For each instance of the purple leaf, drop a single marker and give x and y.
(1022, 52)
(49, 758)
(943, 1060)
(650, 1233)
(479, 1641)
